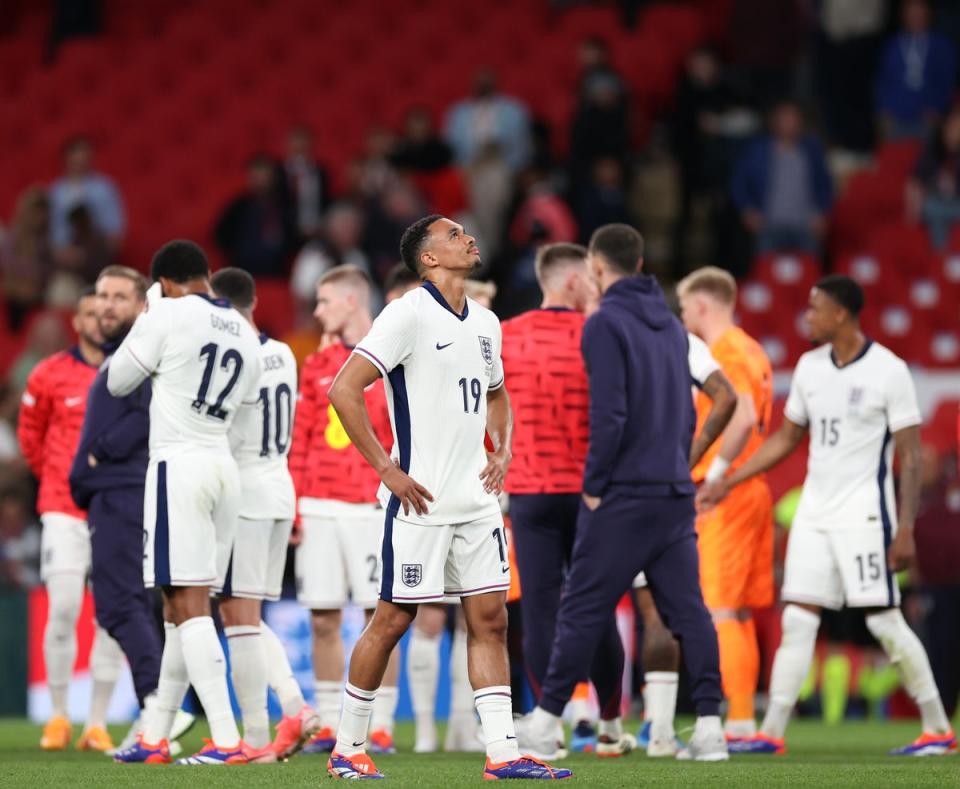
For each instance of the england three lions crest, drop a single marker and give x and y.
(486, 348)
(411, 574)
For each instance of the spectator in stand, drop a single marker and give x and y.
(46, 335)
(917, 75)
(256, 231)
(603, 200)
(933, 193)
(938, 545)
(848, 46)
(487, 117)
(25, 257)
(398, 281)
(371, 174)
(80, 260)
(782, 187)
(337, 244)
(489, 189)
(82, 184)
(601, 121)
(305, 181)
(387, 217)
(420, 149)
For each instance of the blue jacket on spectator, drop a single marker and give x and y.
(116, 431)
(932, 92)
(751, 178)
(641, 412)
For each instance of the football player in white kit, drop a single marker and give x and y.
(439, 355)
(260, 440)
(204, 361)
(661, 653)
(851, 395)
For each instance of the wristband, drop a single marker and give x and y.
(717, 469)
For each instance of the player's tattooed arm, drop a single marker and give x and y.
(902, 549)
(724, 402)
(346, 395)
(771, 452)
(500, 428)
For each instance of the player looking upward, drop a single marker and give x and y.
(337, 560)
(260, 440)
(51, 417)
(439, 355)
(204, 360)
(852, 396)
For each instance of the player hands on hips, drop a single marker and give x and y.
(851, 395)
(439, 355)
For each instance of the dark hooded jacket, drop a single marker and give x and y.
(641, 409)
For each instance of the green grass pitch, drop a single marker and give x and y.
(852, 754)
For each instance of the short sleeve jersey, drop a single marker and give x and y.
(260, 437)
(745, 364)
(204, 359)
(438, 366)
(851, 413)
(701, 361)
(550, 399)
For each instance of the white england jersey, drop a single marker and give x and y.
(260, 437)
(203, 358)
(701, 361)
(851, 413)
(437, 367)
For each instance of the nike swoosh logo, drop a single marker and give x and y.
(441, 347)
(358, 744)
(510, 738)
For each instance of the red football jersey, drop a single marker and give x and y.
(548, 389)
(51, 417)
(323, 461)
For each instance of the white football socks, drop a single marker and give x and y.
(64, 596)
(660, 703)
(207, 669)
(423, 672)
(613, 729)
(907, 653)
(248, 665)
(161, 706)
(280, 674)
(790, 667)
(326, 696)
(495, 707)
(354, 720)
(106, 663)
(384, 708)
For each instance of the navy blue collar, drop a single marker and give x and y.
(75, 353)
(434, 291)
(225, 303)
(556, 309)
(863, 352)
(263, 338)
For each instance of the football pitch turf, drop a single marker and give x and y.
(852, 754)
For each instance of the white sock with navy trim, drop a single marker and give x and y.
(354, 720)
(495, 708)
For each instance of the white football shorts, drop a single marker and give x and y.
(425, 564)
(338, 559)
(837, 566)
(258, 559)
(190, 508)
(64, 545)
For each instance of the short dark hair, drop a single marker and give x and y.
(411, 242)
(236, 286)
(76, 141)
(138, 280)
(399, 277)
(86, 292)
(551, 254)
(844, 291)
(621, 245)
(180, 260)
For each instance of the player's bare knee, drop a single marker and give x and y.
(186, 602)
(660, 650)
(389, 623)
(237, 611)
(325, 624)
(487, 619)
(431, 620)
